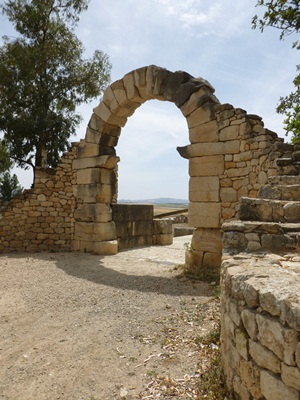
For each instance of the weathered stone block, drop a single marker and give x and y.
(201, 115)
(206, 166)
(204, 189)
(228, 195)
(162, 226)
(204, 133)
(204, 215)
(163, 239)
(241, 342)
(282, 341)
(250, 376)
(274, 389)
(88, 150)
(108, 162)
(264, 357)
(249, 322)
(103, 112)
(229, 133)
(132, 92)
(93, 213)
(207, 239)
(291, 376)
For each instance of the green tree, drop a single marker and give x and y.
(9, 186)
(43, 78)
(285, 16)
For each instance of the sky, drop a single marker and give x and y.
(209, 39)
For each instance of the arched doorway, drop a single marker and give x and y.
(97, 183)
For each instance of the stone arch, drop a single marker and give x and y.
(231, 156)
(96, 162)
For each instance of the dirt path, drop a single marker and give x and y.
(86, 327)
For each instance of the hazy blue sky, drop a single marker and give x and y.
(211, 39)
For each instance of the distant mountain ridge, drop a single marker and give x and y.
(160, 200)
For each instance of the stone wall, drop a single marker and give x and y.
(238, 160)
(261, 325)
(260, 280)
(136, 226)
(42, 219)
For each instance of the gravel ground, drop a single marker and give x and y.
(88, 327)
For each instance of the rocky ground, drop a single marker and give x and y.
(87, 327)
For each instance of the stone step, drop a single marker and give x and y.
(280, 192)
(269, 210)
(260, 236)
(284, 180)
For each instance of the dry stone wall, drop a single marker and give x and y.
(42, 218)
(260, 289)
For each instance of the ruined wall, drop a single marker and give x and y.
(42, 219)
(260, 280)
(261, 326)
(230, 155)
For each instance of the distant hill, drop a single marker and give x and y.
(160, 200)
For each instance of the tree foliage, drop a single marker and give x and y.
(44, 77)
(9, 186)
(285, 16)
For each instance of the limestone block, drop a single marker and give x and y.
(162, 226)
(186, 89)
(120, 93)
(229, 133)
(103, 112)
(93, 213)
(88, 150)
(277, 242)
(263, 357)
(207, 239)
(240, 389)
(109, 247)
(198, 99)
(227, 326)
(110, 100)
(201, 115)
(228, 195)
(204, 215)
(292, 212)
(274, 389)
(172, 84)
(250, 376)
(234, 241)
(206, 166)
(291, 376)
(106, 161)
(132, 92)
(282, 341)
(140, 77)
(207, 149)
(155, 76)
(233, 312)
(241, 344)
(92, 136)
(249, 322)
(204, 189)
(106, 194)
(163, 239)
(204, 133)
(88, 176)
(238, 172)
(87, 193)
(212, 260)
